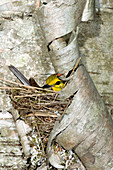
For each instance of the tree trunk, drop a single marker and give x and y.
(86, 127)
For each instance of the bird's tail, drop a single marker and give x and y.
(19, 75)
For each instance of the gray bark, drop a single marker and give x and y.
(87, 125)
(86, 119)
(58, 21)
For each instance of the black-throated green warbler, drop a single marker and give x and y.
(53, 81)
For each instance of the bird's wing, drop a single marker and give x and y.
(33, 83)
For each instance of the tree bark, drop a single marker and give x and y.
(86, 127)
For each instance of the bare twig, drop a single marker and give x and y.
(10, 88)
(75, 65)
(28, 87)
(41, 114)
(34, 95)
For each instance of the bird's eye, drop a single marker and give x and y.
(57, 83)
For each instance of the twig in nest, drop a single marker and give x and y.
(28, 87)
(10, 88)
(8, 81)
(41, 114)
(34, 95)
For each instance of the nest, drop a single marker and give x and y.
(39, 108)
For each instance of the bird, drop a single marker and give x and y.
(53, 82)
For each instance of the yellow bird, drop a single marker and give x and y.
(53, 81)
